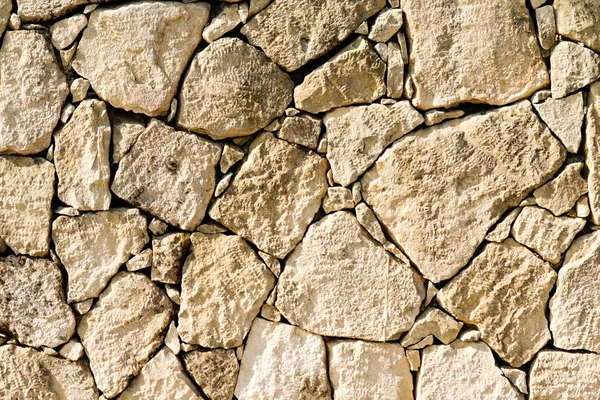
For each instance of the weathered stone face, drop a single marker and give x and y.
(215, 371)
(579, 20)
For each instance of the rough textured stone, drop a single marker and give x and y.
(441, 189)
(395, 71)
(387, 23)
(215, 371)
(292, 34)
(230, 156)
(226, 19)
(365, 370)
(455, 56)
(546, 24)
(79, 89)
(223, 286)
(274, 196)
(170, 174)
(168, 252)
(284, 362)
(354, 75)
(462, 371)
(232, 89)
(579, 20)
(93, 246)
(303, 130)
(434, 117)
(564, 117)
(32, 302)
(502, 229)
(123, 329)
(125, 131)
(140, 261)
(517, 377)
(64, 32)
(337, 198)
(572, 67)
(356, 136)
(81, 158)
(32, 92)
(26, 191)
(356, 289)
(504, 292)
(560, 194)
(134, 54)
(368, 220)
(432, 322)
(592, 150)
(5, 8)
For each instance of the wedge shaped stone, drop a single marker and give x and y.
(579, 20)
(434, 322)
(572, 67)
(564, 117)
(560, 194)
(215, 371)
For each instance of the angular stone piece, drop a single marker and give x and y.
(168, 252)
(592, 150)
(125, 327)
(293, 34)
(81, 158)
(283, 360)
(64, 32)
(564, 117)
(125, 131)
(546, 24)
(455, 57)
(79, 89)
(228, 18)
(93, 246)
(440, 190)
(72, 350)
(560, 194)
(232, 89)
(504, 293)
(572, 67)
(274, 196)
(354, 75)
(395, 71)
(26, 191)
(517, 377)
(140, 261)
(337, 198)
(32, 302)
(579, 20)
(357, 289)
(303, 130)
(502, 229)
(368, 220)
(230, 156)
(215, 371)
(462, 371)
(170, 174)
(387, 23)
(358, 135)
(434, 117)
(432, 322)
(547, 235)
(352, 366)
(32, 92)
(5, 8)
(134, 54)
(223, 286)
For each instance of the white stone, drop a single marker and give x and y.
(432, 322)
(79, 89)
(337, 198)
(564, 117)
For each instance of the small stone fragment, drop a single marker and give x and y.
(337, 198)
(582, 207)
(79, 89)
(560, 194)
(502, 229)
(270, 313)
(64, 32)
(125, 131)
(434, 117)
(363, 28)
(157, 227)
(356, 192)
(66, 56)
(414, 359)
(432, 291)
(387, 23)
(540, 96)
(140, 261)
(470, 335)
(66, 113)
(168, 252)
(72, 350)
(223, 184)
(564, 117)
(403, 47)
(226, 19)
(382, 50)
(517, 377)
(303, 130)
(172, 339)
(231, 155)
(14, 22)
(211, 228)
(579, 21)
(432, 322)
(271, 262)
(546, 25)
(572, 67)
(425, 342)
(215, 371)
(395, 71)
(243, 9)
(83, 306)
(368, 220)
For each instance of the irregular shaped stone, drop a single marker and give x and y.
(517, 377)
(434, 117)
(455, 57)
(26, 191)
(163, 378)
(502, 229)
(81, 158)
(79, 88)
(592, 150)
(32, 302)
(387, 23)
(134, 54)
(432, 322)
(368, 220)
(140, 261)
(168, 252)
(125, 131)
(546, 24)
(29, 374)
(170, 174)
(354, 75)
(337, 198)
(215, 371)
(303, 130)
(395, 71)
(284, 361)
(564, 117)
(223, 184)
(547, 235)
(352, 366)
(157, 227)
(230, 156)
(582, 208)
(232, 89)
(358, 135)
(560, 194)
(440, 190)
(125, 327)
(579, 20)
(572, 67)
(356, 289)
(32, 92)
(72, 350)
(64, 32)
(462, 371)
(226, 19)
(274, 196)
(293, 34)
(93, 246)
(504, 292)
(5, 8)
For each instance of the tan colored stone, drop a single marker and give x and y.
(64, 32)
(72, 350)
(356, 289)
(455, 56)
(282, 361)
(365, 370)
(134, 54)
(414, 359)
(504, 292)
(582, 207)
(368, 220)
(440, 190)
(354, 75)
(140, 261)
(5, 8)
(564, 117)
(32, 92)
(502, 229)
(168, 252)
(337, 198)
(83, 306)
(434, 117)
(274, 196)
(387, 23)
(432, 322)
(225, 20)
(592, 150)
(125, 131)
(517, 377)
(546, 24)
(293, 34)
(157, 227)
(93, 246)
(572, 67)
(232, 89)
(125, 327)
(395, 71)
(79, 89)
(303, 130)
(560, 194)
(579, 20)
(230, 156)
(215, 371)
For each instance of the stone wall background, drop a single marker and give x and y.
(300, 199)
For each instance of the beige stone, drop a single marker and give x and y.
(387, 23)
(134, 54)
(560, 194)
(32, 92)
(456, 57)
(125, 327)
(592, 150)
(93, 246)
(502, 229)
(225, 20)
(414, 359)
(293, 34)
(303, 130)
(172, 338)
(517, 377)
(354, 75)
(168, 252)
(79, 89)
(579, 20)
(157, 227)
(432, 322)
(83, 306)
(357, 289)
(72, 350)
(546, 24)
(395, 71)
(5, 8)
(440, 190)
(64, 32)
(125, 131)
(365, 370)
(215, 371)
(230, 156)
(232, 89)
(434, 117)
(504, 292)
(582, 207)
(140, 261)
(337, 198)
(282, 361)
(274, 195)
(170, 174)
(368, 220)
(572, 67)
(564, 117)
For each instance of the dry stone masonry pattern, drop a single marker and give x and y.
(300, 200)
